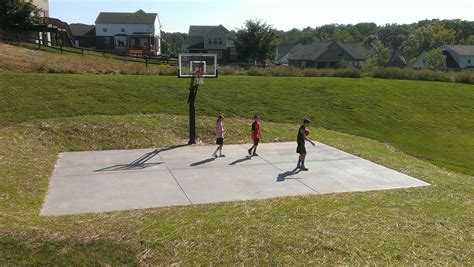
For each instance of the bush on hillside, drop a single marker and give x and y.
(464, 77)
(430, 75)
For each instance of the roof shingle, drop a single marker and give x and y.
(462, 50)
(315, 50)
(139, 17)
(198, 30)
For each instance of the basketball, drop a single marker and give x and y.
(306, 132)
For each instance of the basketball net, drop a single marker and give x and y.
(199, 77)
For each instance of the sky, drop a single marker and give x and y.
(177, 15)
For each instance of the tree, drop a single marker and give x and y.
(393, 35)
(435, 58)
(255, 41)
(362, 31)
(379, 56)
(17, 15)
(324, 32)
(343, 36)
(469, 40)
(428, 38)
(172, 43)
(306, 36)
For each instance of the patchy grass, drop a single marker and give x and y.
(430, 120)
(421, 226)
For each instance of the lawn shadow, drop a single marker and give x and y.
(202, 162)
(284, 176)
(240, 160)
(141, 162)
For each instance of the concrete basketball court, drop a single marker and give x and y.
(100, 181)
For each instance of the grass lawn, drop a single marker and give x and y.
(423, 129)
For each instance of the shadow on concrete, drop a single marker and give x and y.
(202, 162)
(141, 162)
(284, 176)
(240, 160)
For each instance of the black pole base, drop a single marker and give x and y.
(193, 87)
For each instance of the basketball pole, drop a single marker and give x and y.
(193, 87)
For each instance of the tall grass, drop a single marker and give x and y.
(382, 73)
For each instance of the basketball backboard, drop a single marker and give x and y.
(190, 63)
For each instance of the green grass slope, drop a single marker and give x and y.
(430, 120)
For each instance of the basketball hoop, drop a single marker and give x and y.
(197, 67)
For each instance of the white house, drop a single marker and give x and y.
(459, 56)
(129, 33)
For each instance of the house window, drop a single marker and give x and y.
(215, 40)
(120, 41)
(104, 29)
(107, 40)
(303, 64)
(122, 29)
(220, 41)
(210, 41)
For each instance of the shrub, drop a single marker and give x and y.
(167, 70)
(464, 77)
(430, 75)
(318, 72)
(393, 73)
(227, 70)
(348, 73)
(256, 71)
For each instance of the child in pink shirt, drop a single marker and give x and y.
(219, 136)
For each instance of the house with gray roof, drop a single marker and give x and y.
(283, 51)
(211, 39)
(397, 59)
(125, 33)
(329, 55)
(459, 56)
(84, 35)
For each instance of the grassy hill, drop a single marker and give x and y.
(28, 58)
(423, 129)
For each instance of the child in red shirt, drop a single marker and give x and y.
(255, 135)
